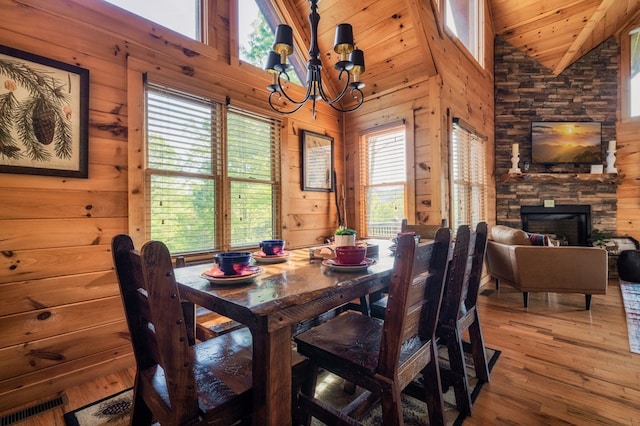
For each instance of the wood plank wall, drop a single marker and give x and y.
(61, 316)
(628, 149)
(461, 89)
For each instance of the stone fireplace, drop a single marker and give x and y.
(570, 223)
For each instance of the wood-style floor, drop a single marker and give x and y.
(559, 364)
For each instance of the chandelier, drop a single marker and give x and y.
(350, 66)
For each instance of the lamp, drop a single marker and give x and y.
(350, 67)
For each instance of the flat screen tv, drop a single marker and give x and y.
(562, 142)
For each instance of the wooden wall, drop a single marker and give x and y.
(462, 89)
(628, 150)
(61, 316)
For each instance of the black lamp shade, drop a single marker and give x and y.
(357, 57)
(283, 40)
(273, 59)
(344, 39)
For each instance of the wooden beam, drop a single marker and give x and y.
(575, 48)
(421, 15)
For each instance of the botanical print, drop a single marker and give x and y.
(40, 117)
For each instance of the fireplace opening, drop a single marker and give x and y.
(571, 224)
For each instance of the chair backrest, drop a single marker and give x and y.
(425, 231)
(415, 292)
(457, 275)
(470, 292)
(157, 327)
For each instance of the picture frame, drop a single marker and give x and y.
(44, 125)
(317, 162)
(566, 142)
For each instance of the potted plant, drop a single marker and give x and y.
(601, 239)
(344, 236)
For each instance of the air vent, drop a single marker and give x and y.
(19, 416)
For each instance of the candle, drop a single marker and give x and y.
(515, 148)
(612, 145)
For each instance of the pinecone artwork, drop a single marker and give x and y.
(44, 121)
(36, 125)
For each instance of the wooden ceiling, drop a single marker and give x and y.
(395, 35)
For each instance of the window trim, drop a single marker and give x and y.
(625, 73)
(479, 61)
(410, 186)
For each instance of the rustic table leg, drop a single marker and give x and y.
(272, 377)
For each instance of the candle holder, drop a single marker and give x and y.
(611, 160)
(515, 159)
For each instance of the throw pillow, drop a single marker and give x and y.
(538, 239)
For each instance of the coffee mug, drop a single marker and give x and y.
(272, 247)
(233, 262)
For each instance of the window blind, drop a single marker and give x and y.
(384, 177)
(469, 177)
(253, 168)
(212, 173)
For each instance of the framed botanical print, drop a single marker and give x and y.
(44, 107)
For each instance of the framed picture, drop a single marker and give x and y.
(44, 116)
(562, 142)
(317, 162)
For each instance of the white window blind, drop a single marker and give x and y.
(195, 168)
(253, 169)
(384, 182)
(469, 178)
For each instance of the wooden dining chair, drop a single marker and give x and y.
(459, 314)
(378, 301)
(384, 357)
(177, 383)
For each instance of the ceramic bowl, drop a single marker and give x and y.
(233, 262)
(350, 255)
(272, 247)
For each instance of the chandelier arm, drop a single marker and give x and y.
(283, 92)
(360, 100)
(341, 94)
(279, 109)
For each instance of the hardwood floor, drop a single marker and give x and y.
(559, 364)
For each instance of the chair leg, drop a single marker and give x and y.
(432, 388)
(308, 388)
(458, 371)
(478, 350)
(587, 301)
(141, 414)
(525, 298)
(391, 399)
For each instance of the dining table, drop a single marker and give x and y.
(282, 296)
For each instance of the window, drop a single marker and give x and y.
(634, 77)
(257, 22)
(464, 19)
(182, 16)
(207, 188)
(383, 172)
(469, 177)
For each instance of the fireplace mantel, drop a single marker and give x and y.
(612, 178)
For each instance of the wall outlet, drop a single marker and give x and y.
(549, 203)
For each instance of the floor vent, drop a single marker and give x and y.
(19, 416)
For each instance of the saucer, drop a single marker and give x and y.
(337, 266)
(216, 276)
(260, 257)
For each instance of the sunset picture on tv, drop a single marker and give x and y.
(566, 142)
